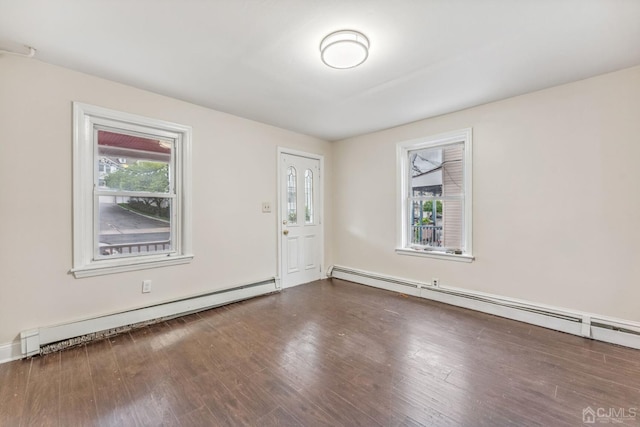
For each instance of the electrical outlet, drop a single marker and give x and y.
(266, 207)
(146, 286)
(435, 282)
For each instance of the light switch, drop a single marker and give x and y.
(266, 207)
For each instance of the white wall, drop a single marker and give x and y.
(556, 198)
(234, 170)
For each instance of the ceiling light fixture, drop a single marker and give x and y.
(344, 49)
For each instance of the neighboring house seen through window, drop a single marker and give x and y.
(435, 203)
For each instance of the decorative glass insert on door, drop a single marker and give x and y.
(292, 195)
(308, 197)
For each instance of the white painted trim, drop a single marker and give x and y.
(614, 337)
(435, 254)
(10, 351)
(314, 156)
(153, 261)
(35, 338)
(30, 342)
(402, 185)
(588, 325)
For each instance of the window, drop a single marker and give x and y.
(435, 196)
(131, 192)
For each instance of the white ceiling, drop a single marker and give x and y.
(260, 59)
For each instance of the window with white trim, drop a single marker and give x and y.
(435, 196)
(132, 192)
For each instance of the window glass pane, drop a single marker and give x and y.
(426, 172)
(436, 193)
(133, 225)
(292, 195)
(453, 170)
(426, 223)
(308, 196)
(437, 223)
(132, 163)
(453, 224)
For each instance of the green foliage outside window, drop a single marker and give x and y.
(150, 177)
(428, 206)
(141, 176)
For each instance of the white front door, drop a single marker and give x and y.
(300, 222)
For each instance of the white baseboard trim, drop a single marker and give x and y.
(588, 325)
(32, 340)
(10, 351)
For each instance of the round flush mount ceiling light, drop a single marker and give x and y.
(344, 49)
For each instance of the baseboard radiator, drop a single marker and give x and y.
(54, 338)
(588, 325)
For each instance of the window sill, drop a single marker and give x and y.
(100, 268)
(435, 254)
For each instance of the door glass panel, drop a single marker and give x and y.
(292, 195)
(308, 197)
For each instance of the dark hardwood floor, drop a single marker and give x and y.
(327, 353)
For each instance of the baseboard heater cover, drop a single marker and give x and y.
(588, 325)
(54, 338)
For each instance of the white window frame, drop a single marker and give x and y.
(402, 157)
(86, 119)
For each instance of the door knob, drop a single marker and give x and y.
(285, 232)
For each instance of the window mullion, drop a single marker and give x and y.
(99, 193)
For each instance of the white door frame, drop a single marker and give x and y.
(315, 156)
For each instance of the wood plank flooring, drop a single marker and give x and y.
(328, 353)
